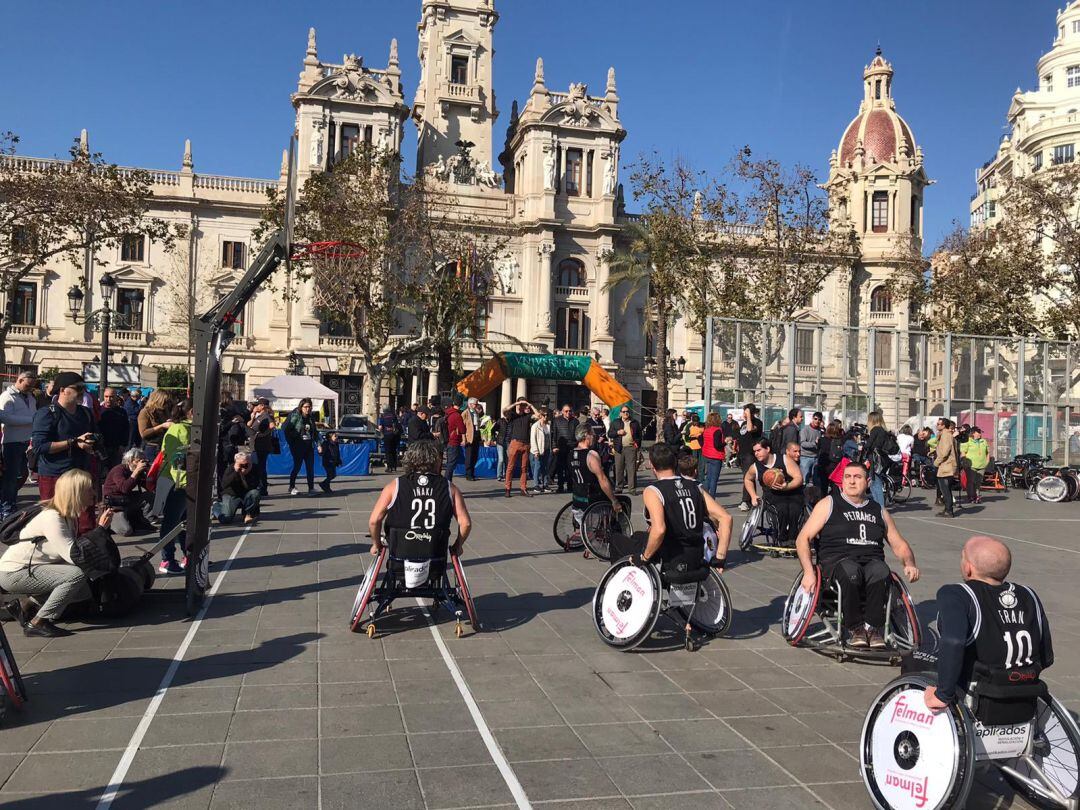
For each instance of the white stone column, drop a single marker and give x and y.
(415, 389)
(543, 304)
(432, 383)
(504, 396)
(522, 387)
(602, 340)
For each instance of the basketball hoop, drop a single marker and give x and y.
(326, 260)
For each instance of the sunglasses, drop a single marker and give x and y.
(245, 466)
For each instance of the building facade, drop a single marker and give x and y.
(558, 191)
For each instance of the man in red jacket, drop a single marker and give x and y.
(455, 435)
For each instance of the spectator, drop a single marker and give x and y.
(498, 441)
(457, 436)
(625, 435)
(113, 426)
(905, 441)
(487, 425)
(730, 429)
(232, 432)
(174, 447)
(712, 448)
(262, 426)
(302, 436)
(945, 459)
(154, 422)
(239, 491)
(17, 409)
(419, 426)
(879, 446)
(63, 436)
(809, 438)
(976, 453)
(830, 453)
(540, 451)
(920, 447)
(123, 492)
(598, 426)
(791, 430)
(331, 460)
(471, 416)
(669, 431)
(749, 432)
(519, 417)
(390, 430)
(694, 431)
(562, 446)
(41, 564)
(133, 405)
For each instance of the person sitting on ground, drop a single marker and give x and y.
(992, 631)
(331, 460)
(852, 531)
(41, 564)
(785, 496)
(123, 491)
(421, 501)
(239, 491)
(678, 507)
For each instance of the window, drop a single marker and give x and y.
(880, 212)
(571, 273)
(459, 70)
(232, 255)
(572, 328)
(883, 350)
(133, 248)
(1072, 76)
(1036, 164)
(1048, 82)
(22, 239)
(588, 174)
(333, 325)
(350, 137)
(804, 347)
(877, 89)
(881, 300)
(573, 172)
(24, 305)
(991, 211)
(1063, 154)
(129, 309)
(1076, 26)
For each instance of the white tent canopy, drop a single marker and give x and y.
(286, 391)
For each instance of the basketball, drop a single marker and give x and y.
(774, 477)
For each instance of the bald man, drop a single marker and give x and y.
(992, 631)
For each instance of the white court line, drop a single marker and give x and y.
(992, 534)
(148, 716)
(508, 775)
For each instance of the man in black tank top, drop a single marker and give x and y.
(420, 503)
(992, 631)
(851, 532)
(677, 508)
(785, 498)
(587, 479)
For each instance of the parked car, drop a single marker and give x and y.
(354, 428)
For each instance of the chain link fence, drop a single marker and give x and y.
(1024, 393)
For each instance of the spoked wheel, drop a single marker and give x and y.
(465, 593)
(1055, 752)
(912, 758)
(1052, 488)
(799, 610)
(902, 490)
(627, 604)
(749, 529)
(567, 532)
(10, 675)
(905, 632)
(712, 613)
(599, 523)
(364, 592)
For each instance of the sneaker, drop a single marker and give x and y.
(325, 487)
(508, 494)
(311, 491)
(43, 628)
(875, 639)
(858, 638)
(170, 567)
(744, 507)
(294, 491)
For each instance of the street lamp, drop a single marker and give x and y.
(101, 318)
(673, 366)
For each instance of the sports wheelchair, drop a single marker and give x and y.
(592, 527)
(630, 599)
(816, 620)
(912, 758)
(12, 688)
(415, 565)
(761, 530)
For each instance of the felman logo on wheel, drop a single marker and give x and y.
(916, 788)
(909, 714)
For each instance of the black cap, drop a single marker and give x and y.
(976, 429)
(67, 379)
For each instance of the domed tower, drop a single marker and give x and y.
(876, 184)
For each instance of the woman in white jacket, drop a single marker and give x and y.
(540, 451)
(41, 563)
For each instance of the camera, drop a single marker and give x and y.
(97, 446)
(115, 501)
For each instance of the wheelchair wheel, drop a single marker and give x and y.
(902, 490)
(366, 589)
(1056, 753)
(799, 609)
(564, 529)
(712, 613)
(9, 673)
(599, 523)
(904, 628)
(627, 604)
(1053, 489)
(465, 593)
(749, 529)
(912, 758)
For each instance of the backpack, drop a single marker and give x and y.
(13, 524)
(836, 450)
(776, 438)
(891, 446)
(439, 428)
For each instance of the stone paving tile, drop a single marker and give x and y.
(641, 775)
(567, 779)
(266, 759)
(268, 794)
(771, 799)
(463, 786)
(370, 753)
(376, 790)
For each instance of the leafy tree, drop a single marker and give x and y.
(51, 209)
(173, 377)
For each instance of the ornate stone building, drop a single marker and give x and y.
(559, 190)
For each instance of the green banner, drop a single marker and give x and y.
(546, 366)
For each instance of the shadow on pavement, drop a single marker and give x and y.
(142, 793)
(502, 611)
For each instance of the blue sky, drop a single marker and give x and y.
(697, 78)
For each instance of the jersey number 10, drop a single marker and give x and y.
(1023, 644)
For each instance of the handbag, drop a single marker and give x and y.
(275, 445)
(95, 553)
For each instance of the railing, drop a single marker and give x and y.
(559, 98)
(886, 372)
(806, 369)
(574, 292)
(159, 177)
(130, 336)
(576, 352)
(27, 330)
(337, 341)
(217, 182)
(879, 317)
(468, 91)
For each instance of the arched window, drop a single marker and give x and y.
(571, 273)
(881, 300)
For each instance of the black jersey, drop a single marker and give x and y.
(586, 486)
(418, 521)
(774, 461)
(684, 516)
(852, 530)
(1005, 644)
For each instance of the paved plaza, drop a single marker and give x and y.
(274, 703)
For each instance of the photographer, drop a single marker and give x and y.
(123, 492)
(63, 438)
(239, 492)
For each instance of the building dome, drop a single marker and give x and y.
(884, 135)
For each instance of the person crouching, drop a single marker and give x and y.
(239, 491)
(123, 491)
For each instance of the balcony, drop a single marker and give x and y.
(337, 342)
(135, 337)
(26, 331)
(882, 317)
(572, 292)
(887, 373)
(576, 352)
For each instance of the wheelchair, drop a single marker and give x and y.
(630, 599)
(910, 757)
(414, 568)
(761, 530)
(11, 682)
(816, 620)
(592, 527)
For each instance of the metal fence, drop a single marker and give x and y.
(1024, 393)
